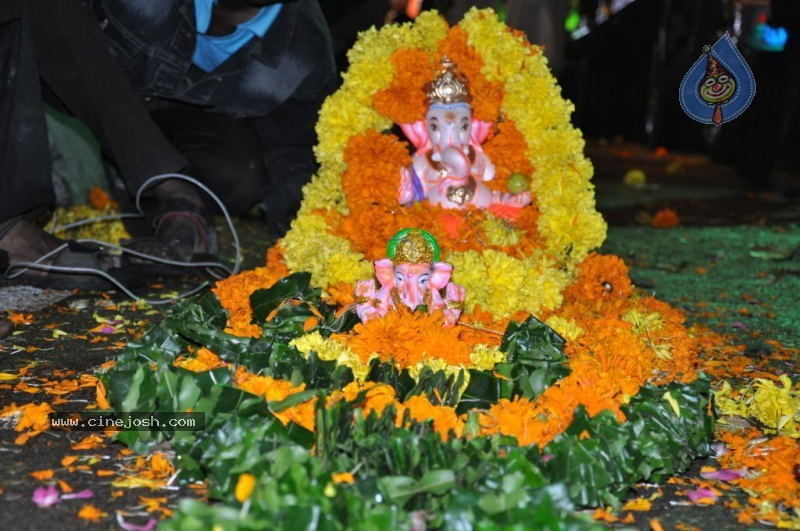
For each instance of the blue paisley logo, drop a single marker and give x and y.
(719, 86)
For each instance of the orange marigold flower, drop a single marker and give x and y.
(772, 462)
(20, 318)
(487, 97)
(90, 442)
(508, 151)
(273, 389)
(666, 218)
(100, 200)
(378, 396)
(518, 418)
(234, 295)
(407, 338)
(444, 418)
(204, 360)
(42, 475)
(599, 277)
(341, 294)
(31, 417)
(403, 101)
(373, 168)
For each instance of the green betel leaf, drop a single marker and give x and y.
(295, 286)
(292, 400)
(205, 309)
(535, 353)
(400, 489)
(226, 346)
(340, 324)
(533, 342)
(437, 482)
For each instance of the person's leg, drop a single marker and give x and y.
(95, 89)
(225, 155)
(223, 152)
(25, 182)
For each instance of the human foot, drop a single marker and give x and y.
(35, 257)
(181, 221)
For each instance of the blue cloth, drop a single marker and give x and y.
(210, 50)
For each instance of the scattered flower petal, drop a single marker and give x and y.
(91, 513)
(702, 496)
(130, 526)
(42, 475)
(46, 496)
(725, 474)
(244, 487)
(637, 504)
(81, 495)
(344, 477)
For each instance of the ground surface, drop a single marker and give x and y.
(732, 264)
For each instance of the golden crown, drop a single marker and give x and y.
(413, 246)
(450, 86)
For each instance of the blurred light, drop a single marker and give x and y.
(573, 20)
(768, 39)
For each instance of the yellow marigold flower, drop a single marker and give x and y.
(485, 357)
(503, 51)
(777, 407)
(436, 365)
(329, 349)
(470, 272)
(500, 233)
(111, 231)
(566, 328)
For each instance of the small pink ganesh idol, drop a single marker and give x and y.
(412, 276)
(449, 166)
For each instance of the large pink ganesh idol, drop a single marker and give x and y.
(412, 276)
(449, 166)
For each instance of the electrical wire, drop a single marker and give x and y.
(97, 219)
(213, 268)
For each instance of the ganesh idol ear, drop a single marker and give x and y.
(384, 272)
(440, 275)
(480, 130)
(417, 133)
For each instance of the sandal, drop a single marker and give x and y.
(186, 229)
